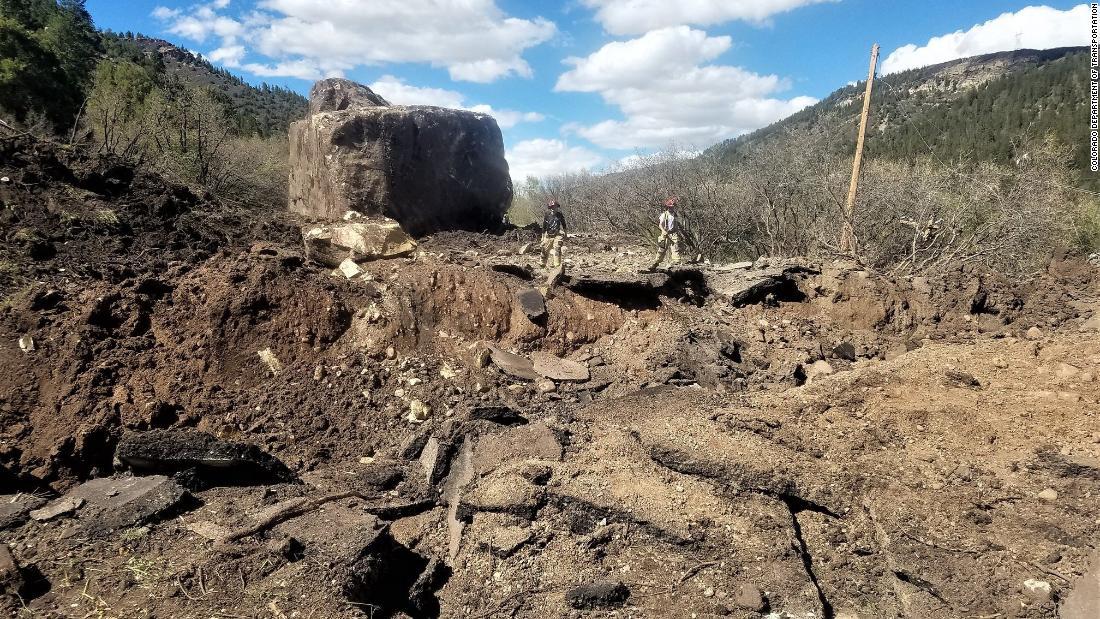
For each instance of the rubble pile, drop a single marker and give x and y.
(204, 416)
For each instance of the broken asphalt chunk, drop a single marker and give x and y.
(15, 508)
(532, 303)
(597, 595)
(215, 461)
(111, 504)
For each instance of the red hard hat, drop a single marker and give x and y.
(672, 201)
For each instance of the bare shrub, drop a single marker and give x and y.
(185, 132)
(786, 198)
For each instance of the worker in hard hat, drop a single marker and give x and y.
(668, 241)
(553, 235)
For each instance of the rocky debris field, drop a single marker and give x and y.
(201, 418)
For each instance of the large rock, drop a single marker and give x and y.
(360, 241)
(430, 168)
(334, 95)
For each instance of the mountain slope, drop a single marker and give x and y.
(263, 110)
(973, 107)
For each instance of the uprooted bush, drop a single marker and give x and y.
(787, 198)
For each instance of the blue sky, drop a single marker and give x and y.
(583, 83)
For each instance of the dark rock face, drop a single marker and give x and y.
(213, 460)
(430, 168)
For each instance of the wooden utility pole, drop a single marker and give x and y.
(847, 236)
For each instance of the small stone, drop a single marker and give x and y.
(482, 357)
(751, 597)
(391, 352)
(1065, 371)
(818, 369)
(1038, 590)
(26, 343)
(1034, 333)
(318, 372)
(447, 372)
(349, 269)
(999, 363)
(1049, 495)
(546, 386)
(846, 351)
(414, 381)
(419, 411)
(1092, 323)
(708, 592)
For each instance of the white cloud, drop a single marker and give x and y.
(163, 12)
(398, 92)
(202, 22)
(1033, 27)
(473, 39)
(229, 55)
(301, 69)
(542, 157)
(507, 118)
(667, 94)
(640, 16)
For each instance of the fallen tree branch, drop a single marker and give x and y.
(293, 509)
(695, 570)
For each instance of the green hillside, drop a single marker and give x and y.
(263, 110)
(970, 108)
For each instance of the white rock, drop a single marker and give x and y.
(1037, 590)
(270, 360)
(1049, 495)
(1034, 333)
(419, 411)
(350, 269)
(818, 369)
(26, 343)
(1065, 371)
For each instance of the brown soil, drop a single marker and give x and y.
(704, 465)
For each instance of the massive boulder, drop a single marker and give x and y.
(430, 168)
